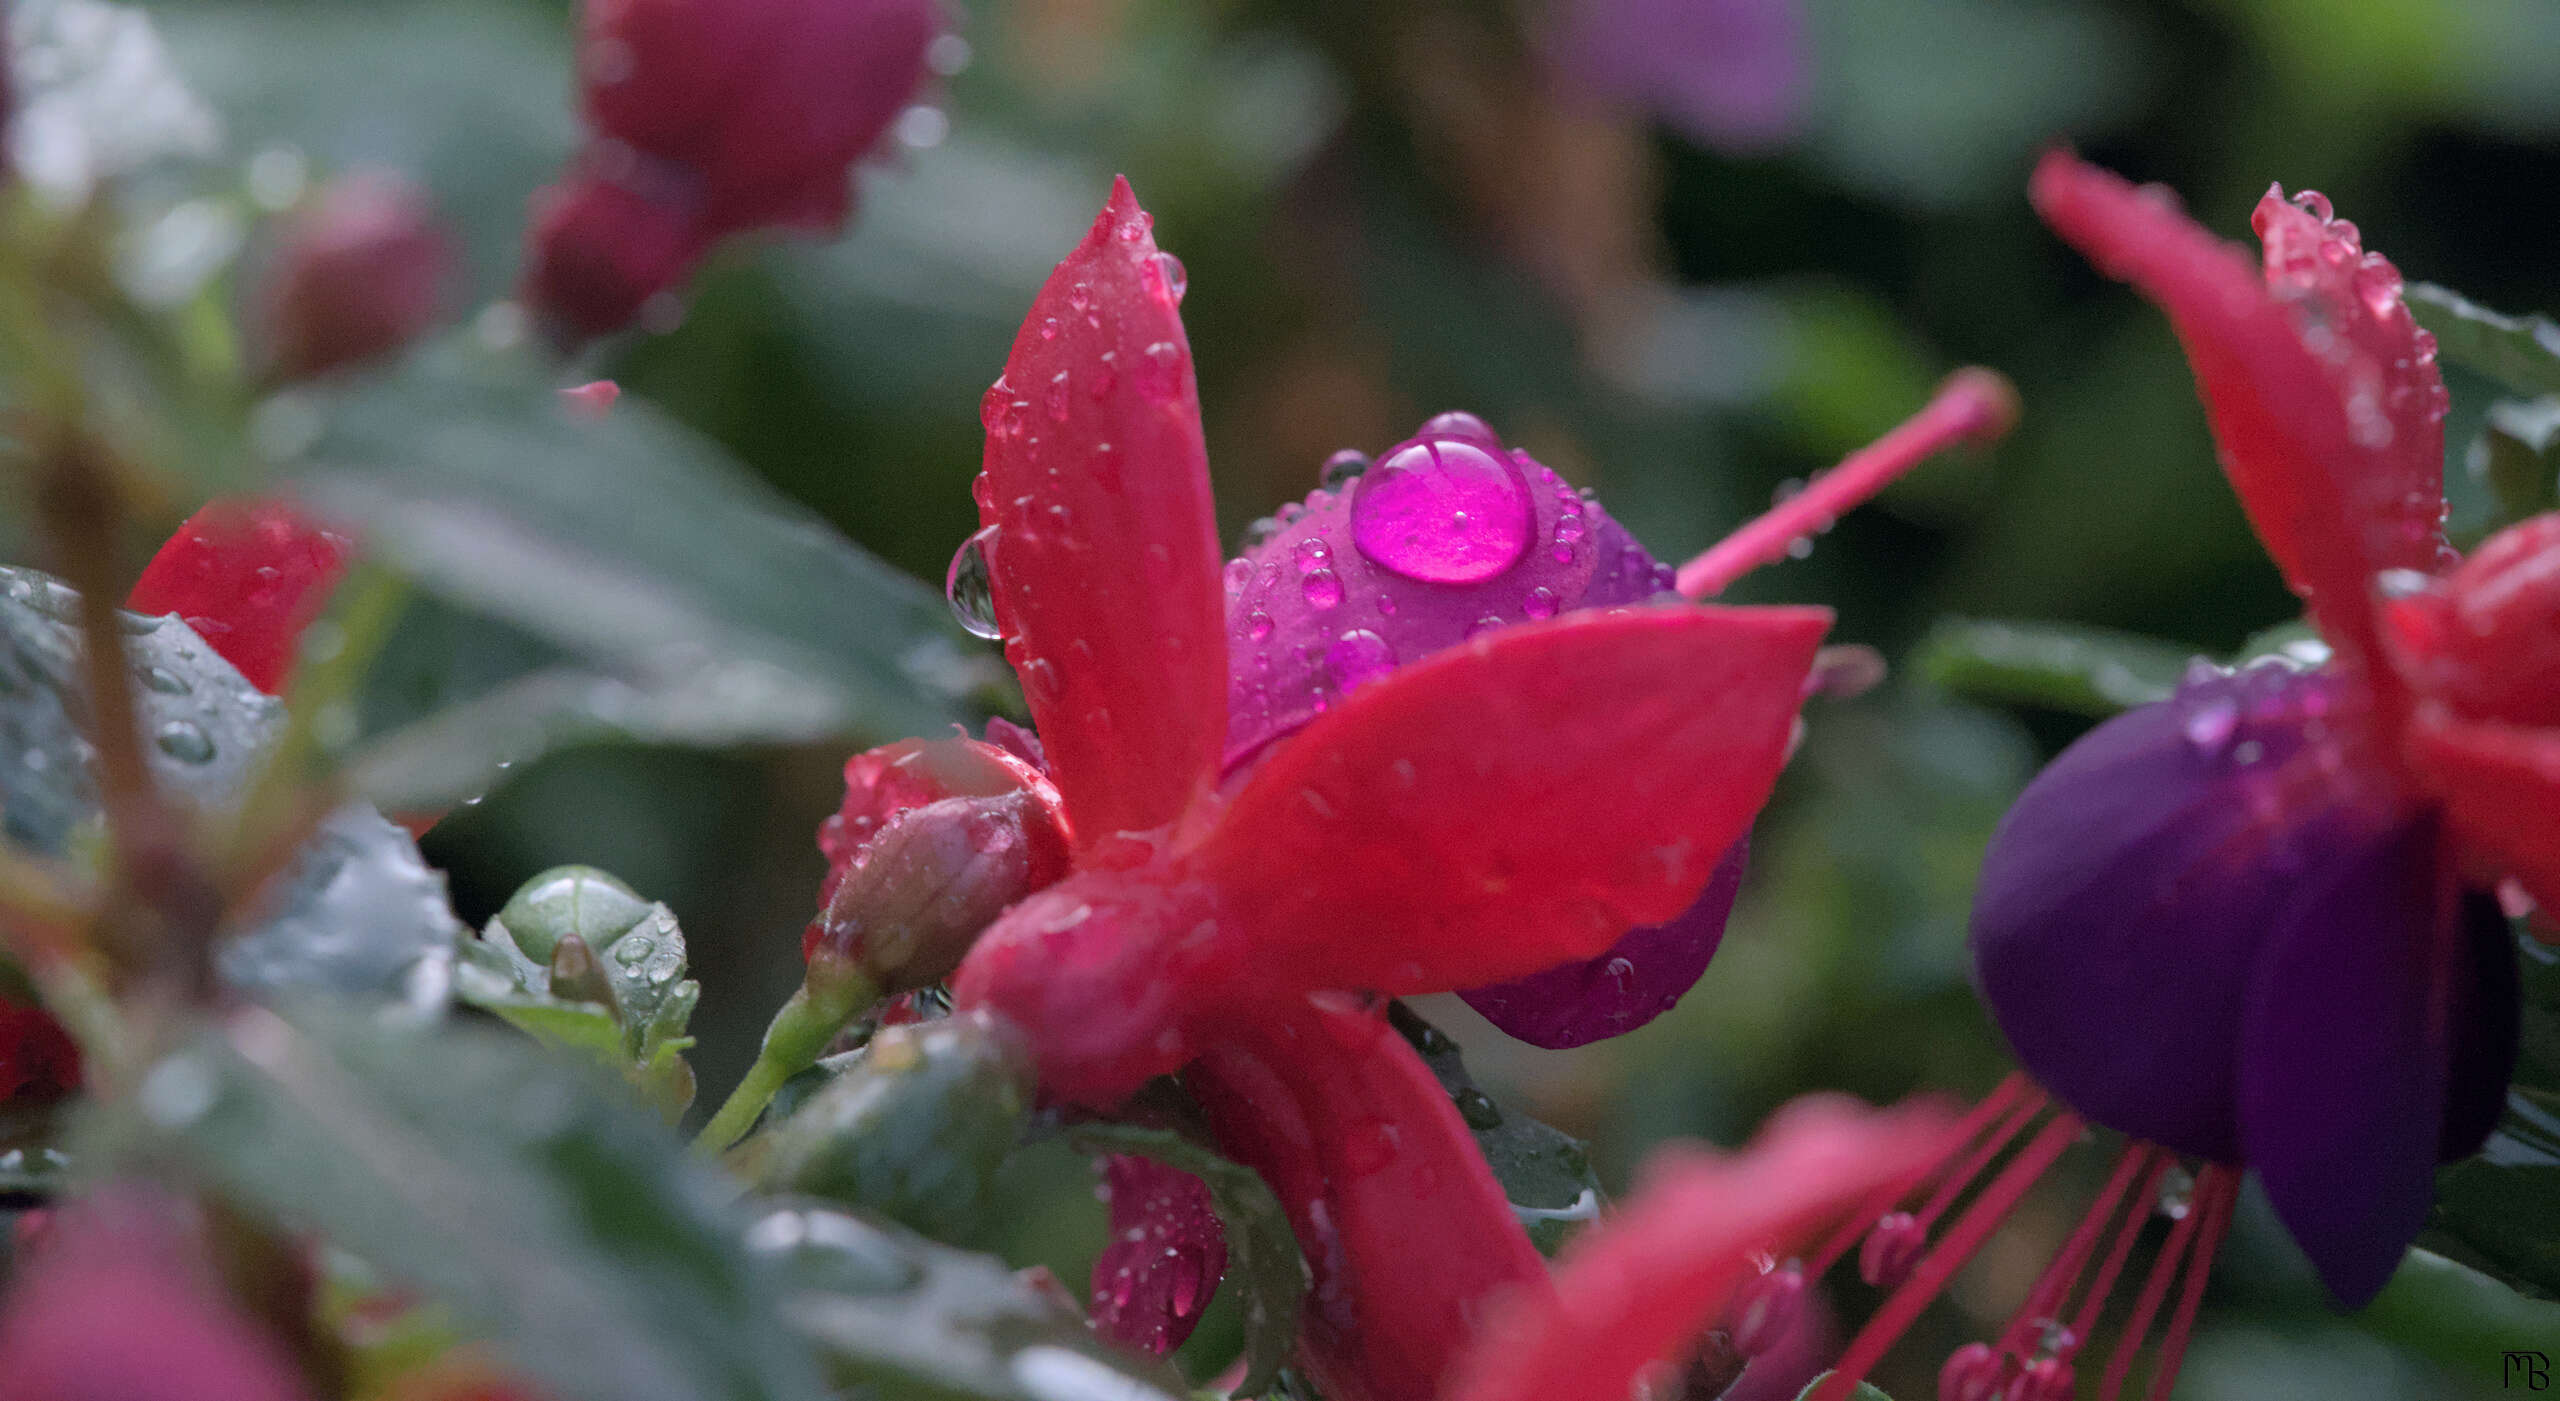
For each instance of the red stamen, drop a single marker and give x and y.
(1865, 1217)
(1974, 405)
(2145, 1195)
(1955, 1182)
(2155, 1289)
(2044, 1302)
(2217, 1188)
(1973, 1228)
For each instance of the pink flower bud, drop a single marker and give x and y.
(359, 271)
(708, 118)
(931, 879)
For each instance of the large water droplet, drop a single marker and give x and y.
(185, 741)
(1165, 277)
(1322, 588)
(971, 588)
(1343, 466)
(1239, 573)
(1443, 511)
(1457, 423)
(1541, 603)
(166, 682)
(1357, 658)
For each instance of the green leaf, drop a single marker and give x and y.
(2458, 1316)
(1545, 1171)
(641, 954)
(360, 915)
(563, 1224)
(1263, 1255)
(2518, 455)
(900, 1318)
(459, 697)
(2084, 671)
(1863, 1391)
(2521, 352)
(635, 544)
(914, 1130)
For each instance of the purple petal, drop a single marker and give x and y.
(2126, 896)
(1167, 1250)
(1446, 535)
(2343, 1058)
(1730, 73)
(1637, 980)
(2486, 1022)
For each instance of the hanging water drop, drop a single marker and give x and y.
(971, 588)
(1343, 466)
(185, 741)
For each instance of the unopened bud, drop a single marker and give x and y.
(1765, 1308)
(932, 879)
(577, 977)
(1891, 1250)
(1974, 1372)
(359, 271)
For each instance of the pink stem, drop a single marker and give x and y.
(2155, 1288)
(1977, 1119)
(2145, 1194)
(2224, 1190)
(1974, 405)
(2052, 1291)
(1955, 1182)
(1961, 1241)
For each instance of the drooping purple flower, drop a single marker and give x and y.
(1729, 73)
(2210, 926)
(1165, 1256)
(1444, 536)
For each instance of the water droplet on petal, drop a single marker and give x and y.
(1160, 371)
(1258, 625)
(1322, 588)
(1313, 554)
(1239, 574)
(971, 588)
(1048, 328)
(1357, 658)
(2209, 726)
(1343, 466)
(1165, 278)
(1443, 511)
(1541, 603)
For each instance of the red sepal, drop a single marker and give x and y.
(2327, 448)
(1411, 1240)
(1647, 1283)
(1513, 803)
(38, 1060)
(1101, 545)
(248, 577)
(2485, 638)
(2500, 785)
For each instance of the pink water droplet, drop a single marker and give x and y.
(1322, 588)
(1048, 328)
(1239, 574)
(1442, 510)
(991, 406)
(1357, 658)
(1541, 603)
(1165, 278)
(1313, 554)
(1457, 423)
(1258, 625)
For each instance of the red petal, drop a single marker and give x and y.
(1103, 549)
(1410, 1239)
(1652, 1278)
(2501, 788)
(249, 577)
(2323, 396)
(1514, 802)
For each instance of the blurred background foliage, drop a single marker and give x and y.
(1399, 206)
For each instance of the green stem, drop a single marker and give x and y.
(835, 993)
(2457, 1316)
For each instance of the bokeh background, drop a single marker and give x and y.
(1685, 251)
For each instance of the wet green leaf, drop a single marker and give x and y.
(639, 951)
(1545, 1171)
(913, 1130)
(636, 545)
(2518, 455)
(1263, 1258)
(563, 1224)
(2521, 352)
(359, 914)
(2457, 1316)
(2084, 671)
(900, 1318)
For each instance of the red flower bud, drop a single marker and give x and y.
(248, 577)
(708, 118)
(358, 272)
(37, 1060)
(931, 879)
(881, 783)
(118, 1300)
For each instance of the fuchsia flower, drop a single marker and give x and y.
(1453, 815)
(709, 118)
(2231, 925)
(248, 576)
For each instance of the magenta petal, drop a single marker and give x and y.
(2343, 1059)
(1641, 977)
(1446, 535)
(2487, 1017)
(2126, 895)
(1167, 1250)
